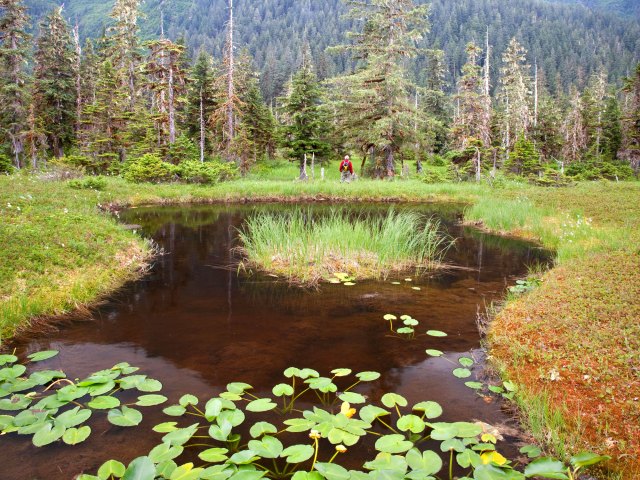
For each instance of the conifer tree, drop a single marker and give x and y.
(575, 142)
(305, 124)
(611, 128)
(515, 94)
(630, 150)
(55, 82)
(259, 122)
(377, 111)
(200, 101)
(14, 49)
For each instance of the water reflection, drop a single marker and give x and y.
(196, 325)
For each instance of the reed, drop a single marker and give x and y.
(306, 248)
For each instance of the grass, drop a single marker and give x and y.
(305, 249)
(59, 252)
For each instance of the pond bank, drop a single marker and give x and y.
(60, 252)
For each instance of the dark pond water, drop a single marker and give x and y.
(196, 325)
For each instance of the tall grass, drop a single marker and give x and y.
(305, 247)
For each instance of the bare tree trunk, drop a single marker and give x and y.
(535, 96)
(313, 166)
(202, 131)
(172, 107)
(303, 168)
(76, 41)
(389, 160)
(487, 73)
(230, 73)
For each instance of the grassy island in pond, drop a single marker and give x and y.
(306, 248)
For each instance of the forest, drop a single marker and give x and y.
(106, 103)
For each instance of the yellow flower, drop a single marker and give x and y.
(314, 434)
(493, 457)
(341, 448)
(346, 410)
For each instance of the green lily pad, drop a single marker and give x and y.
(462, 373)
(297, 453)
(74, 436)
(41, 356)
(393, 444)
(390, 400)
(104, 403)
(151, 400)
(214, 455)
(282, 390)
(436, 333)
(368, 376)
(261, 428)
(434, 353)
(267, 447)
(124, 417)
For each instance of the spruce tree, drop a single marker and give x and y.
(630, 150)
(55, 82)
(200, 102)
(305, 124)
(14, 52)
(377, 112)
(611, 128)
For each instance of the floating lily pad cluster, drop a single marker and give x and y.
(50, 407)
(343, 278)
(215, 431)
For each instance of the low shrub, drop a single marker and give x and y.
(89, 183)
(5, 164)
(193, 171)
(432, 175)
(148, 168)
(595, 169)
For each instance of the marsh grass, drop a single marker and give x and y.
(306, 248)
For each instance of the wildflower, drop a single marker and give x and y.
(341, 448)
(346, 410)
(315, 434)
(554, 375)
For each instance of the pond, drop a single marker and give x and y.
(195, 323)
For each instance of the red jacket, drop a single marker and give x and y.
(346, 165)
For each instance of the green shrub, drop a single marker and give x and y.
(596, 169)
(90, 183)
(193, 171)
(5, 164)
(432, 175)
(148, 168)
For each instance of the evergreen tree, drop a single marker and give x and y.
(259, 122)
(630, 150)
(55, 82)
(377, 112)
(525, 159)
(575, 134)
(13, 92)
(200, 102)
(611, 128)
(515, 94)
(305, 124)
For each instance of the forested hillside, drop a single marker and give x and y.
(569, 42)
(622, 7)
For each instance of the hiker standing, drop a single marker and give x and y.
(346, 169)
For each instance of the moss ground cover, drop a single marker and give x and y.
(571, 344)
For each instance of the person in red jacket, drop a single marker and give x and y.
(346, 169)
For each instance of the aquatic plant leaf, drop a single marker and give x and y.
(427, 462)
(243, 457)
(131, 381)
(111, 468)
(393, 444)
(547, 468)
(390, 400)
(387, 467)
(308, 373)
(217, 472)
(323, 384)
(73, 417)
(297, 453)
(104, 403)
(496, 389)
(234, 417)
(97, 390)
(371, 412)
(48, 434)
(297, 425)
(74, 436)
(175, 411)
(453, 444)
(142, 468)
(163, 452)
(238, 387)
(395, 283)
(352, 397)
(260, 428)
(267, 447)
(165, 469)
(466, 361)
(45, 376)
(11, 373)
(434, 353)
(389, 317)
(411, 322)
(149, 386)
(307, 476)
(16, 402)
(492, 472)
(292, 372)
(368, 376)
(125, 368)
(586, 459)
(331, 471)
(474, 385)
(510, 386)
(531, 451)
(213, 408)
(407, 330)
(436, 333)
(261, 405)
(341, 276)
(187, 400)
(41, 356)
(462, 373)
(468, 458)
(214, 455)
(186, 472)
(348, 284)
(165, 427)
(4, 359)
(5, 421)
(124, 417)
(341, 372)
(180, 436)
(248, 475)
(416, 288)
(410, 423)
(151, 400)
(221, 432)
(282, 390)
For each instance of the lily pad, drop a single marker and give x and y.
(462, 373)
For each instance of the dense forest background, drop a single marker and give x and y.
(569, 41)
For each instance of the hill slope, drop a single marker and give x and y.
(569, 42)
